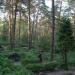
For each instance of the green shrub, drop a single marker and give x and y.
(29, 57)
(7, 67)
(71, 58)
(42, 66)
(44, 44)
(65, 38)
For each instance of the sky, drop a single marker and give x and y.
(48, 3)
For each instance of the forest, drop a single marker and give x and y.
(37, 37)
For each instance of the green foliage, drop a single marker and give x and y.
(71, 59)
(44, 43)
(42, 66)
(7, 67)
(5, 30)
(29, 57)
(24, 41)
(65, 34)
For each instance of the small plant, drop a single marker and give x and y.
(41, 66)
(44, 44)
(29, 57)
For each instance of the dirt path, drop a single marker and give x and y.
(61, 73)
(70, 72)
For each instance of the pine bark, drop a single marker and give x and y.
(53, 32)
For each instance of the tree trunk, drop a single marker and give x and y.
(10, 13)
(30, 28)
(14, 26)
(60, 9)
(19, 25)
(64, 58)
(53, 31)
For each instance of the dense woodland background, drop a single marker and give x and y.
(36, 38)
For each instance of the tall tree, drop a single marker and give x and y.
(14, 24)
(65, 39)
(12, 9)
(10, 14)
(20, 13)
(53, 31)
(29, 24)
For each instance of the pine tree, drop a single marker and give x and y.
(65, 39)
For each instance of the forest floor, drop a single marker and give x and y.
(59, 72)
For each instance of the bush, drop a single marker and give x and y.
(65, 36)
(42, 66)
(7, 67)
(44, 44)
(29, 57)
(71, 58)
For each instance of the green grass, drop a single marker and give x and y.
(30, 62)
